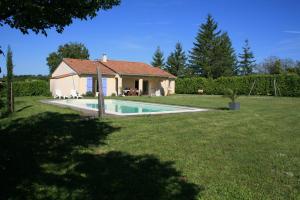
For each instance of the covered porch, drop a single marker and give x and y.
(136, 85)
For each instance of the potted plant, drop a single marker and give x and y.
(232, 95)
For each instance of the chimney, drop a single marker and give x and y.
(104, 58)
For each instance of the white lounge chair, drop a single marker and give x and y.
(58, 94)
(74, 94)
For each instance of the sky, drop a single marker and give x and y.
(133, 30)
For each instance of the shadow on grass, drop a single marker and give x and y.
(25, 107)
(49, 156)
(222, 108)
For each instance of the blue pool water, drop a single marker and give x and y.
(124, 107)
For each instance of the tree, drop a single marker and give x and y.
(224, 60)
(69, 50)
(212, 55)
(246, 62)
(158, 58)
(176, 62)
(9, 78)
(202, 54)
(38, 16)
(272, 65)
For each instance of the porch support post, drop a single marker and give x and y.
(120, 85)
(140, 86)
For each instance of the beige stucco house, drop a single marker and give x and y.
(117, 77)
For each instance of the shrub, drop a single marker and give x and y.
(29, 88)
(89, 94)
(287, 85)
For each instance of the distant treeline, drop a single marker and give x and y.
(28, 77)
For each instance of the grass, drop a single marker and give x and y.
(47, 152)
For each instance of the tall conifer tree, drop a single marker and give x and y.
(10, 95)
(212, 55)
(202, 54)
(176, 62)
(224, 63)
(246, 62)
(158, 58)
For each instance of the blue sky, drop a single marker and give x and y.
(133, 30)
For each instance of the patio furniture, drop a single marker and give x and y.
(74, 94)
(59, 95)
(131, 92)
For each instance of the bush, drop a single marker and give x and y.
(287, 85)
(29, 88)
(89, 94)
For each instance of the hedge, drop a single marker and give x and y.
(287, 85)
(29, 88)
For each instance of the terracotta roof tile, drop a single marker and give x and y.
(112, 67)
(136, 68)
(87, 66)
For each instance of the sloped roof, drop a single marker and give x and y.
(113, 67)
(87, 66)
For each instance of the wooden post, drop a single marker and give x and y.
(252, 88)
(101, 109)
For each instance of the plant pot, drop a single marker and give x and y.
(234, 106)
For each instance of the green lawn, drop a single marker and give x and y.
(47, 152)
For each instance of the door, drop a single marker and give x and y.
(89, 84)
(136, 84)
(146, 87)
(104, 86)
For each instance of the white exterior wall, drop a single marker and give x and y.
(111, 86)
(62, 69)
(65, 85)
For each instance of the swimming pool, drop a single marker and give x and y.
(124, 107)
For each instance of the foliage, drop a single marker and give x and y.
(31, 88)
(158, 58)
(89, 94)
(294, 70)
(286, 84)
(272, 65)
(246, 62)
(225, 58)
(30, 77)
(231, 94)
(176, 62)
(38, 16)
(10, 93)
(69, 50)
(212, 55)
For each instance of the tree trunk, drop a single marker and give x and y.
(101, 110)
(12, 98)
(9, 96)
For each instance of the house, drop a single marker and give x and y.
(117, 77)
